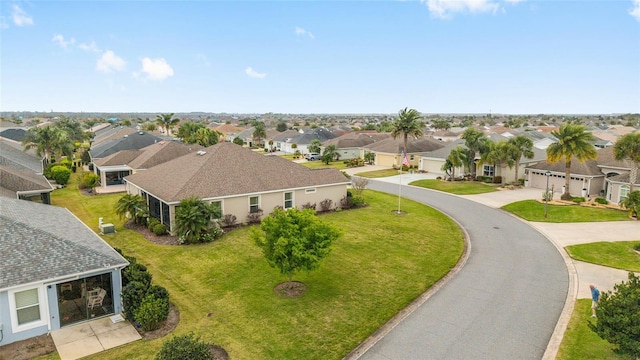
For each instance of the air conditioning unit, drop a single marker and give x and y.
(106, 228)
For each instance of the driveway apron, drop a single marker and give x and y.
(503, 304)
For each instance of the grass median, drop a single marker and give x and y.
(619, 254)
(224, 289)
(533, 210)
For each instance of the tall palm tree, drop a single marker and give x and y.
(524, 148)
(329, 154)
(407, 123)
(573, 141)
(500, 154)
(167, 121)
(628, 147)
(473, 141)
(456, 158)
(48, 141)
(259, 133)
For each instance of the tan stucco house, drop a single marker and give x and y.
(241, 181)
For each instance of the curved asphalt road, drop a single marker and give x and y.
(503, 304)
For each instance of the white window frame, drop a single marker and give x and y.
(488, 170)
(42, 306)
(624, 192)
(257, 205)
(221, 209)
(285, 200)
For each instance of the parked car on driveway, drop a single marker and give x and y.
(313, 156)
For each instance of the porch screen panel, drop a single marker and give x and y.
(154, 207)
(27, 306)
(165, 215)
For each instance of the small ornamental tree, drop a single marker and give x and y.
(632, 204)
(619, 316)
(60, 174)
(129, 205)
(194, 221)
(293, 240)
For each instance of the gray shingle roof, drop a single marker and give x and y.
(356, 139)
(11, 155)
(589, 167)
(395, 146)
(19, 180)
(133, 141)
(228, 169)
(14, 134)
(42, 242)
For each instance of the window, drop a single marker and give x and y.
(309, 191)
(624, 192)
(254, 204)
(288, 200)
(27, 306)
(487, 170)
(411, 157)
(217, 205)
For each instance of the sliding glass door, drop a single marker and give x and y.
(84, 299)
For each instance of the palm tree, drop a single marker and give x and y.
(167, 121)
(206, 137)
(500, 154)
(329, 154)
(573, 141)
(407, 123)
(628, 147)
(524, 147)
(129, 205)
(473, 141)
(48, 141)
(193, 219)
(259, 133)
(187, 130)
(314, 146)
(456, 158)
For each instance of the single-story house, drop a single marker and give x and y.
(52, 264)
(129, 141)
(605, 176)
(21, 174)
(113, 168)
(388, 152)
(349, 145)
(238, 179)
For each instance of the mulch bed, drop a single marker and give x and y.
(160, 240)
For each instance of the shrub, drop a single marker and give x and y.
(66, 162)
(479, 178)
(228, 220)
(159, 229)
(60, 174)
(132, 295)
(254, 217)
(345, 202)
(359, 184)
(325, 205)
(357, 201)
(488, 179)
(547, 195)
(309, 206)
(601, 201)
(152, 222)
(137, 272)
(577, 199)
(497, 179)
(184, 347)
(89, 180)
(151, 312)
(637, 247)
(159, 292)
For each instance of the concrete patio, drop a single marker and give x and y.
(92, 337)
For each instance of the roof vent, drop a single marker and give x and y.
(201, 152)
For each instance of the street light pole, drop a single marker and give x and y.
(546, 194)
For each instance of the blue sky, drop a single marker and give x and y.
(437, 56)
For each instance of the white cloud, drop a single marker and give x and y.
(20, 17)
(254, 74)
(514, 1)
(62, 42)
(110, 62)
(89, 47)
(302, 32)
(445, 8)
(156, 69)
(635, 11)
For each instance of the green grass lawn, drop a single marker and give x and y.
(340, 165)
(580, 342)
(224, 289)
(378, 173)
(532, 210)
(456, 187)
(619, 254)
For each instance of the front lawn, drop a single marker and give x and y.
(224, 290)
(378, 173)
(579, 342)
(317, 164)
(619, 254)
(533, 210)
(456, 187)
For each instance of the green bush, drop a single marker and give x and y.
(152, 223)
(89, 180)
(184, 347)
(159, 229)
(136, 272)
(577, 199)
(497, 179)
(357, 201)
(132, 295)
(66, 162)
(151, 312)
(637, 247)
(159, 292)
(60, 174)
(600, 200)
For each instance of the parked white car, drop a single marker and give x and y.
(313, 156)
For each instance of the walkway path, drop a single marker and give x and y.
(492, 308)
